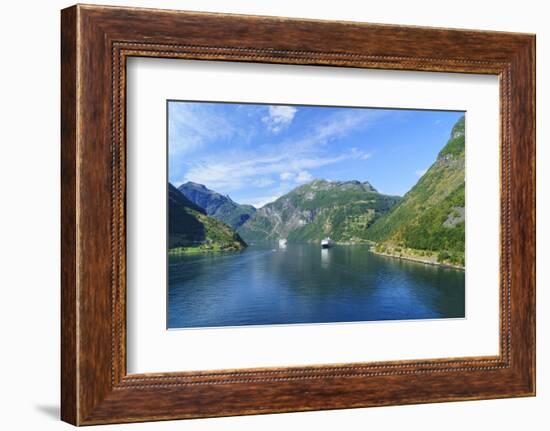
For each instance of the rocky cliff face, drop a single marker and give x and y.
(339, 209)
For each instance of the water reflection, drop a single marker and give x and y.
(325, 257)
(307, 284)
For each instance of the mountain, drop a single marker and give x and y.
(342, 210)
(190, 229)
(216, 205)
(431, 215)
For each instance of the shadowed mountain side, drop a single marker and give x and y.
(217, 205)
(190, 227)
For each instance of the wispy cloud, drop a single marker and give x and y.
(231, 175)
(263, 200)
(212, 144)
(338, 126)
(263, 182)
(361, 155)
(192, 126)
(303, 177)
(296, 177)
(278, 117)
(292, 160)
(286, 176)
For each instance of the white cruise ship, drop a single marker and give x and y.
(327, 243)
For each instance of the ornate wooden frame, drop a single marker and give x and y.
(95, 42)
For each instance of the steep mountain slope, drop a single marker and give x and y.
(216, 205)
(190, 229)
(340, 209)
(431, 215)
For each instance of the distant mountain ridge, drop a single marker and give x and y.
(217, 205)
(342, 210)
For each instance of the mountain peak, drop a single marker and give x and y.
(455, 145)
(459, 128)
(176, 195)
(320, 184)
(340, 209)
(368, 185)
(194, 185)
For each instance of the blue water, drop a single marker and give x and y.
(266, 285)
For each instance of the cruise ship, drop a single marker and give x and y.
(327, 243)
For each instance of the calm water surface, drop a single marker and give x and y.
(303, 284)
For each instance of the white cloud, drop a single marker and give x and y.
(303, 177)
(279, 117)
(345, 121)
(286, 176)
(420, 172)
(233, 175)
(191, 126)
(263, 200)
(360, 155)
(263, 182)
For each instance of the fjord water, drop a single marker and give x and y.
(302, 283)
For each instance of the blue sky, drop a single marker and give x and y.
(256, 153)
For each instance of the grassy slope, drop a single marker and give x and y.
(344, 221)
(418, 220)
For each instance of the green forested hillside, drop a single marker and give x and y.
(190, 229)
(431, 215)
(342, 210)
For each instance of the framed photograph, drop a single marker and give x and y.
(306, 237)
(264, 215)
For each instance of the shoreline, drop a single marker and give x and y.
(419, 260)
(410, 258)
(202, 250)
